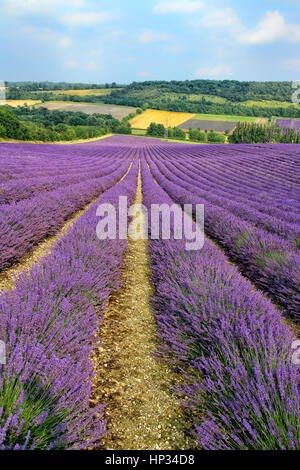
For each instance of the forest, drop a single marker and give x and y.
(229, 97)
(40, 124)
(210, 97)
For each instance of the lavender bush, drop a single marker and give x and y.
(229, 341)
(269, 260)
(48, 324)
(26, 223)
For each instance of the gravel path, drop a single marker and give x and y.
(142, 413)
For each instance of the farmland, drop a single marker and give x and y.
(221, 97)
(118, 112)
(187, 120)
(289, 123)
(88, 92)
(137, 342)
(225, 117)
(209, 124)
(15, 103)
(142, 121)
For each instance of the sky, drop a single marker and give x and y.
(136, 40)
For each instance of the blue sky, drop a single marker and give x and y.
(124, 41)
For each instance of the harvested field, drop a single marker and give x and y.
(15, 103)
(89, 92)
(142, 121)
(118, 112)
(208, 125)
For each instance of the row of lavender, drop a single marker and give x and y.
(262, 191)
(26, 223)
(48, 324)
(289, 123)
(266, 252)
(23, 176)
(229, 341)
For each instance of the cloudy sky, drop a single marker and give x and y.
(133, 40)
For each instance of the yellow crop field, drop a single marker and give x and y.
(15, 103)
(92, 91)
(167, 118)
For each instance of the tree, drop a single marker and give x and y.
(10, 123)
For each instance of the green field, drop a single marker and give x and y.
(266, 104)
(223, 117)
(166, 140)
(138, 132)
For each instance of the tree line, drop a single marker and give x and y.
(41, 124)
(232, 90)
(195, 135)
(244, 133)
(181, 104)
(157, 95)
(252, 133)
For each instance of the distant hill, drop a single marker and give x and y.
(219, 97)
(262, 99)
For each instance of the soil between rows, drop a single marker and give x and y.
(142, 411)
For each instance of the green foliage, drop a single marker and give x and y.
(50, 126)
(179, 133)
(215, 137)
(124, 129)
(251, 133)
(197, 136)
(157, 130)
(227, 97)
(10, 125)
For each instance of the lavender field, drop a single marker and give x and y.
(194, 349)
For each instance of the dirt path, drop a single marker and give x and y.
(141, 411)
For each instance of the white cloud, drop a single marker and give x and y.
(222, 71)
(222, 17)
(64, 42)
(148, 36)
(23, 7)
(183, 6)
(117, 33)
(173, 49)
(40, 34)
(96, 52)
(270, 29)
(92, 66)
(292, 63)
(85, 19)
(71, 64)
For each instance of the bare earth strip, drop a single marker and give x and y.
(142, 413)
